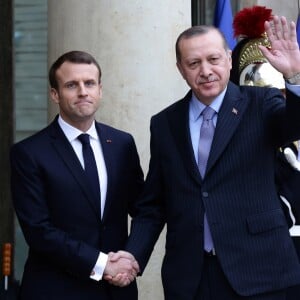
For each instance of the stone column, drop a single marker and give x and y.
(289, 9)
(134, 42)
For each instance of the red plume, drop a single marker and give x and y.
(249, 22)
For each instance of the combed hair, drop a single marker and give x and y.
(77, 57)
(195, 31)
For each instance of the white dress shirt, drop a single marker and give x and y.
(72, 133)
(196, 119)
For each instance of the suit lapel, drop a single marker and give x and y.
(229, 117)
(67, 154)
(108, 145)
(179, 125)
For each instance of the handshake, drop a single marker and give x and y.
(121, 268)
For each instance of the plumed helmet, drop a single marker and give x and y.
(249, 66)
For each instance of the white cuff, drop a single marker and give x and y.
(99, 267)
(295, 230)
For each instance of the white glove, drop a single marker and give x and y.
(291, 158)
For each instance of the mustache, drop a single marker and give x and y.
(210, 78)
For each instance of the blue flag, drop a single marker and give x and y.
(298, 29)
(223, 20)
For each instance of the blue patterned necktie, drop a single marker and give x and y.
(90, 166)
(206, 136)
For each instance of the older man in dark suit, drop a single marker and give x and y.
(227, 236)
(71, 220)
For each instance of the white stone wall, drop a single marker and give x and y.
(289, 8)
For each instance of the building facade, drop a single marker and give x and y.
(134, 43)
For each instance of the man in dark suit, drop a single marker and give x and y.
(70, 228)
(227, 236)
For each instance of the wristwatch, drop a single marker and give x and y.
(294, 79)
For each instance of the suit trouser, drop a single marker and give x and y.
(214, 285)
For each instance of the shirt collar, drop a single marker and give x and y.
(72, 133)
(196, 106)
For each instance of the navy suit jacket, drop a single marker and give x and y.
(60, 218)
(238, 193)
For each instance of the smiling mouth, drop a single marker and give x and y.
(207, 80)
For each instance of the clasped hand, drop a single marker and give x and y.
(121, 268)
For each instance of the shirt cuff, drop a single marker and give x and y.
(98, 270)
(293, 88)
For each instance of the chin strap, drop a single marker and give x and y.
(291, 158)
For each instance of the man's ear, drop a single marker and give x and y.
(54, 95)
(179, 67)
(229, 56)
(100, 90)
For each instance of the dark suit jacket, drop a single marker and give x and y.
(238, 193)
(60, 218)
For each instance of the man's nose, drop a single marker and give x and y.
(82, 89)
(205, 69)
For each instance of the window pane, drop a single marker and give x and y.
(30, 69)
(203, 10)
(30, 58)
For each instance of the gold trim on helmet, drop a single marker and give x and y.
(250, 53)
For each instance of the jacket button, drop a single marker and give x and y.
(205, 194)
